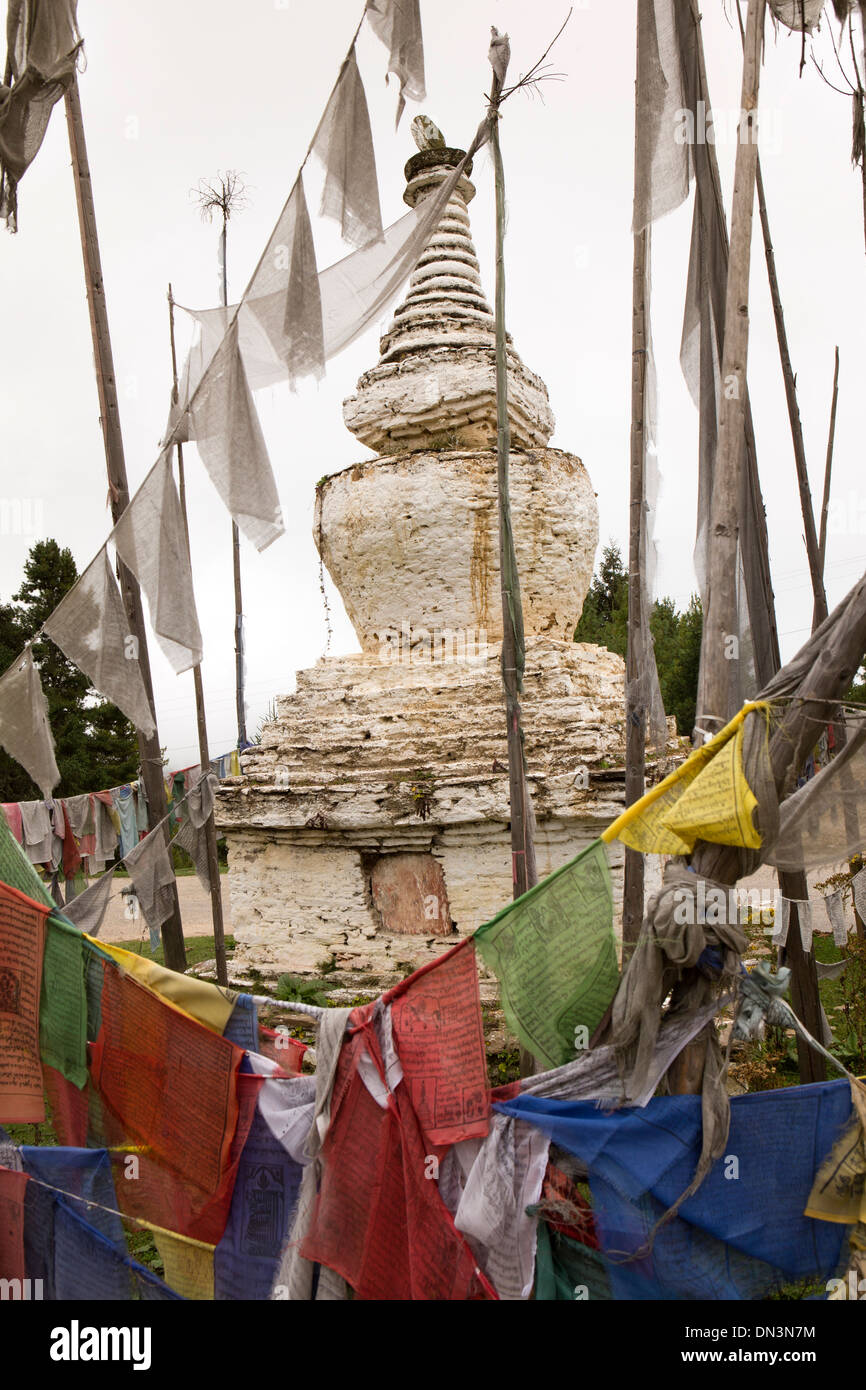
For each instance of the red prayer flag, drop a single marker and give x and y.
(379, 1220)
(22, 937)
(12, 1187)
(172, 1087)
(439, 1036)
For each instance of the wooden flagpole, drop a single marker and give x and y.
(524, 875)
(720, 622)
(213, 868)
(150, 753)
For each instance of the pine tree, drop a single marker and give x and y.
(676, 636)
(95, 745)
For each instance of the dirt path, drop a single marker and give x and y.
(195, 912)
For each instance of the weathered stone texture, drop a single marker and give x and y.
(414, 541)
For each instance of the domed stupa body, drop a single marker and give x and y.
(371, 825)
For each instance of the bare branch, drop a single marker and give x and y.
(534, 74)
(225, 194)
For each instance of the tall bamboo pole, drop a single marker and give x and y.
(240, 696)
(819, 595)
(213, 867)
(720, 623)
(828, 467)
(636, 714)
(150, 753)
(524, 875)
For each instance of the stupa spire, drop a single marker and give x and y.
(434, 384)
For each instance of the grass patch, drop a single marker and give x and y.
(198, 948)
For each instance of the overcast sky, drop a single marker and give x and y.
(175, 92)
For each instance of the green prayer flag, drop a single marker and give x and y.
(16, 869)
(63, 1002)
(554, 954)
(565, 1269)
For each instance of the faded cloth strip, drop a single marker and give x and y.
(672, 942)
(504, 1179)
(88, 909)
(398, 24)
(290, 316)
(152, 875)
(91, 628)
(225, 426)
(38, 835)
(823, 822)
(150, 539)
(662, 163)
(42, 48)
(295, 1276)
(344, 144)
(25, 732)
(798, 14)
(643, 690)
(701, 357)
(192, 836)
(836, 915)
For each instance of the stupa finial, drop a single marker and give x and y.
(436, 376)
(426, 134)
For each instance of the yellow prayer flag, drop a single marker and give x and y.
(839, 1190)
(188, 1263)
(204, 1001)
(707, 798)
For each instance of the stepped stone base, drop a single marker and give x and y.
(370, 829)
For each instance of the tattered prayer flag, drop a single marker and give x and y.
(706, 798)
(91, 628)
(43, 44)
(152, 873)
(22, 934)
(437, 1029)
(12, 1188)
(63, 1004)
(379, 1221)
(554, 954)
(278, 1047)
(88, 909)
(839, 1191)
(398, 24)
(150, 539)
(25, 732)
(225, 426)
(208, 1003)
(188, 1264)
(344, 143)
(302, 325)
(836, 916)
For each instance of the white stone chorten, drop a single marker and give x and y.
(371, 825)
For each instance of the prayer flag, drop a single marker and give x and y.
(554, 954)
